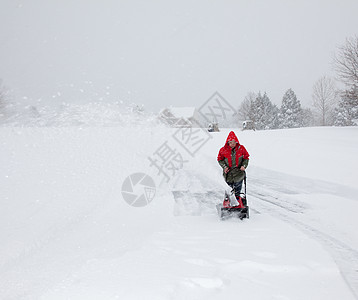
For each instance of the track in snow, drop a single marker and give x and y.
(269, 193)
(270, 196)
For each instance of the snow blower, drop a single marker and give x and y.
(233, 207)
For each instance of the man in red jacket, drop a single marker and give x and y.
(234, 159)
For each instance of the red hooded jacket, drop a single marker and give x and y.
(226, 151)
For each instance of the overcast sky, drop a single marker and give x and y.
(162, 53)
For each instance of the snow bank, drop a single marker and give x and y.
(93, 114)
(62, 203)
(66, 231)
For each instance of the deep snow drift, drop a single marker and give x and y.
(67, 233)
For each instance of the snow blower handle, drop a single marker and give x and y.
(245, 182)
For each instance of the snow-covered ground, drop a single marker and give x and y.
(67, 233)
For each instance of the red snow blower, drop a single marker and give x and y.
(233, 207)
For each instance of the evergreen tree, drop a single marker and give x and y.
(347, 111)
(308, 119)
(263, 113)
(291, 115)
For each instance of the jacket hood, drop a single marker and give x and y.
(232, 137)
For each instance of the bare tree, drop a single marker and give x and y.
(245, 106)
(324, 99)
(346, 62)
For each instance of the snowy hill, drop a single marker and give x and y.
(68, 233)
